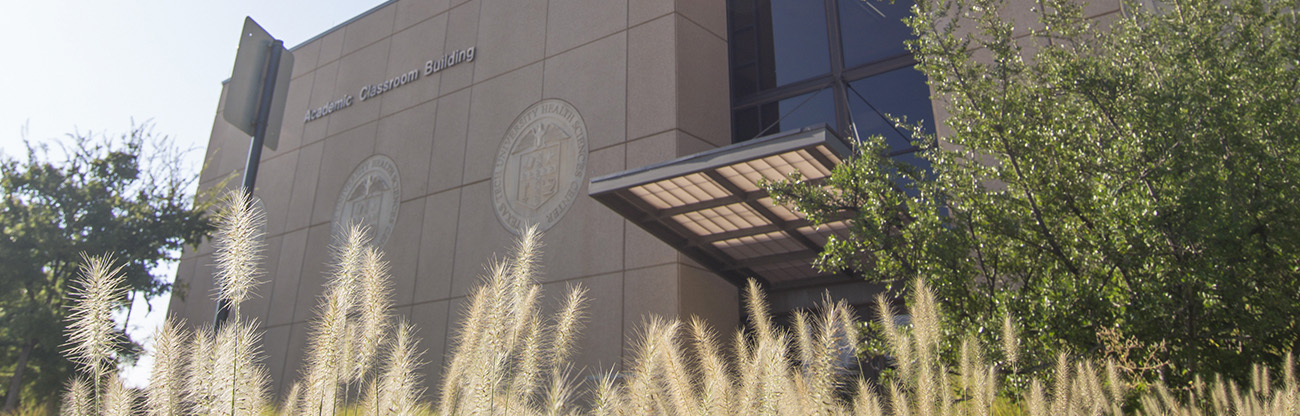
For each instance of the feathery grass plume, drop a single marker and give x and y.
(166, 391)
(238, 249)
(527, 370)
(756, 304)
(331, 346)
(527, 339)
(1037, 403)
(990, 388)
(609, 399)
(806, 356)
(568, 324)
(1010, 343)
(1097, 398)
(1237, 403)
(503, 349)
(328, 345)
(292, 399)
(118, 399)
(370, 399)
(966, 366)
(1258, 377)
(564, 335)
(866, 402)
(676, 380)
(239, 379)
(522, 275)
(1197, 396)
(745, 376)
(772, 387)
(925, 334)
(1151, 406)
(474, 321)
(803, 334)
(90, 331)
(236, 382)
(900, 344)
(834, 334)
(1061, 387)
(1167, 402)
(473, 366)
(925, 318)
(1219, 396)
(1116, 386)
(559, 393)
(647, 391)
(486, 360)
(715, 385)
(77, 398)
(374, 303)
(945, 396)
(1290, 397)
(397, 390)
(200, 391)
(898, 401)
(765, 375)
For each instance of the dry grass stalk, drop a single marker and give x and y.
(167, 380)
(292, 399)
(200, 393)
(77, 398)
(118, 399)
(239, 379)
(375, 301)
(509, 359)
(715, 381)
(92, 338)
(504, 352)
(1010, 343)
(238, 249)
(395, 392)
(767, 375)
(331, 357)
(608, 399)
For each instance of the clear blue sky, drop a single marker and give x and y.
(93, 66)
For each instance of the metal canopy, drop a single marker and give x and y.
(709, 205)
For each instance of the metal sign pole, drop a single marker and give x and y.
(255, 148)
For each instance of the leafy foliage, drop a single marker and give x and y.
(123, 197)
(1138, 175)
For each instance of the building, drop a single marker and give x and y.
(631, 131)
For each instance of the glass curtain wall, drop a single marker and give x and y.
(796, 63)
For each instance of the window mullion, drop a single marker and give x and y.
(842, 117)
(777, 94)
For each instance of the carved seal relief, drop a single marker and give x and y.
(540, 167)
(370, 198)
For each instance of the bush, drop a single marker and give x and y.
(1134, 173)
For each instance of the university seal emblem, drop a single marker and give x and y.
(370, 198)
(540, 167)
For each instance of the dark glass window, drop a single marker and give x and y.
(873, 30)
(800, 111)
(796, 63)
(901, 93)
(777, 42)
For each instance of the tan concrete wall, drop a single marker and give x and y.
(649, 78)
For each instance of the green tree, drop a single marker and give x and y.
(1141, 175)
(125, 197)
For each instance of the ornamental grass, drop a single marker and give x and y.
(510, 358)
